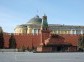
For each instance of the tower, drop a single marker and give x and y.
(45, 32)
(44, 24)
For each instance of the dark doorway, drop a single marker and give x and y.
(59, 48)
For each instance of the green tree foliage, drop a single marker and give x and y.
(81, 43)
(1, 40)
(12, 42)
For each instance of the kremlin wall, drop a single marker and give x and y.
(38, 36)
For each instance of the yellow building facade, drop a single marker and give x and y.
(34, 24)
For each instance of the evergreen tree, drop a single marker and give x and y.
(81, 43)
(1, 40)
(12, 42)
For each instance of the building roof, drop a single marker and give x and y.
(56, 40)
(35, 20)
(66, 39)
(71, 38)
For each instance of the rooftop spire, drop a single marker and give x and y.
(37, 12)
(44, 24)
(37, 16)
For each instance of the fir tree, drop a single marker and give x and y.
(1, 40)
(12, 42)
(81, 43)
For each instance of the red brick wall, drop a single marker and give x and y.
(6, 40)
(71, 38)
(44, 35)
(26, 40)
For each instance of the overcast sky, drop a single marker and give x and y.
(14, 12)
